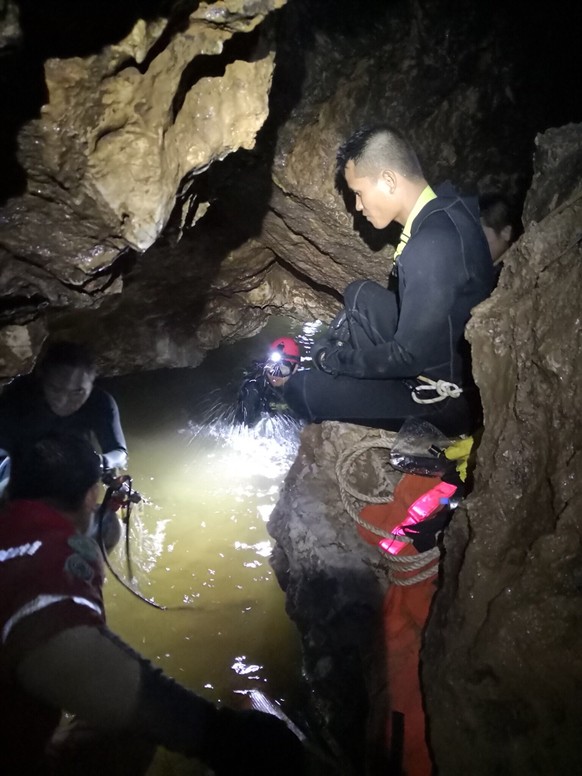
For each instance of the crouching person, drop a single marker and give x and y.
(57, 654)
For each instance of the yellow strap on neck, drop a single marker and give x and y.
(425, 196)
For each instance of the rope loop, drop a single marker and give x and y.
(443, 389)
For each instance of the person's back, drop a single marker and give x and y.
(50, 579)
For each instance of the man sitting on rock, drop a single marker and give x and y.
(400, 352)
(56, 652)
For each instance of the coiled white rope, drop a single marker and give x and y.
(425, 562)
(343, 468)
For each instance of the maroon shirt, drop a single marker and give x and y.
(50, 580)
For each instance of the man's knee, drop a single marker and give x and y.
(353, 290)
(295, 394)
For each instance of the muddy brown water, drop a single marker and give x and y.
(199, 540)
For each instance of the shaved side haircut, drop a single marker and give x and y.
(374, 149)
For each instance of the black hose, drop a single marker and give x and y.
(100, 515)
(126, 521)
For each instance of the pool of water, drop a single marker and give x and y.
(199, 539)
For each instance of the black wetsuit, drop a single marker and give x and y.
(25, 417)
(415, 327)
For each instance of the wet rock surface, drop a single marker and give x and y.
(502, 655)
(120, 115)
(335, 583)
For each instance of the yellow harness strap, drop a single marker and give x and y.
(426, 195)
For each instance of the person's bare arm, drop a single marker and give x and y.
(86, 673)
(92, 673)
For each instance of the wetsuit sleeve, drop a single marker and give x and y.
(432, 276)
(92, 673)
(107, 427)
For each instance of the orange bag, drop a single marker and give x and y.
(405, 611)
(388, 516)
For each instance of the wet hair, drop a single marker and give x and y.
(373, 149)
(59, 468)
(496, 211)
(67, 354)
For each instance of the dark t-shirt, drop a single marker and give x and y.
(25, 417)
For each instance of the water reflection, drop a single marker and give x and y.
(199, 540)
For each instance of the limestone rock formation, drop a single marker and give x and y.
(503, 649)
(334, 583)
(119, 133)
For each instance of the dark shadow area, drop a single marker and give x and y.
(20, 309)
(545, 46)
(62, 28)
(68, 28)
(22, 93)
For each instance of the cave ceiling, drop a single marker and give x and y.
(169, 166)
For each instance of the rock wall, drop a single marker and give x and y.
(335, 584)
(502, 662)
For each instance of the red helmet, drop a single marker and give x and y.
(287, 349)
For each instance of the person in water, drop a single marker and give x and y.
(57, 653)
(399, 352)
(256, 396)
(60, 395)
